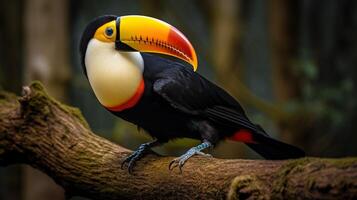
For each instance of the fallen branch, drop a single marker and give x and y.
(37, 130)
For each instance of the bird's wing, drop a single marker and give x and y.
(191, 93)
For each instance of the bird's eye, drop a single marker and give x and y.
(109, 32)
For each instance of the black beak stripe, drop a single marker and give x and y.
(117, 26)
(118, 44)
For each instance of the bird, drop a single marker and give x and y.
(143, 70)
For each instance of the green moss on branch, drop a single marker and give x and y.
(42, 98)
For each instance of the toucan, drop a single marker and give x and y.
(143, 70)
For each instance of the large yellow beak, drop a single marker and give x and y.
(146, 34)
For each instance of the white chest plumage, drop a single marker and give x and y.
(114, 76)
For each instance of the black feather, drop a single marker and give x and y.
(270, 148)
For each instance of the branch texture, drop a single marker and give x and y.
(37, 130)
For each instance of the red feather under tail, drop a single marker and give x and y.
(243, 135)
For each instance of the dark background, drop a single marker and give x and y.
(291, 64)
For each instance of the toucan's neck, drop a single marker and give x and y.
(116, 77)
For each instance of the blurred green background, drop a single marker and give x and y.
(291, 63)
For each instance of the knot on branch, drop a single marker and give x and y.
(247, 187)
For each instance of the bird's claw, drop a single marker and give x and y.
(177, 162)
(180, 161)
(127, 159)
(135, 156)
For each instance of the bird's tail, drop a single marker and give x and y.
(272, 149)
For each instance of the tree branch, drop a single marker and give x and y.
(37, 130)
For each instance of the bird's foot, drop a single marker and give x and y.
(135, 156)
(180, 161)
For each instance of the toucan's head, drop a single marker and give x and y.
(110, 47)
(139, 33)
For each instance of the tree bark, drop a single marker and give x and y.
(37, 130)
